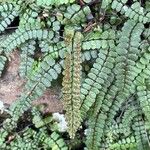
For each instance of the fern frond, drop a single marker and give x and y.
(141, 69)
(8, 14)
(103, 65)
(26, 59)
(146, 33)
(55, 142)
(96, 78)
(128, 143)
(135, 12)
(33, 89)
(128, 46)
(71, 83)
(53, 2)
(99, 40)
(111, 107)
(96, 125)
(124, 65)
(129, 115)
(31, 15)
(141, 136)
(75, 14)
(95, 132)
(143, 98)
(26, 141)
(24, 34)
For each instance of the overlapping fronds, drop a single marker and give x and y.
(135, 11)
(100, 51)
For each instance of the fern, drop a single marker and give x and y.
(128, 143)
(141, 134)
(143, 94)
(71, 82)
(99, 53)
(135, 12)
(95, 81)
(27, 60)
(22, 35)
(8, 14)
(125, 78)
(53, 2)
(76, 15)
(2, 63)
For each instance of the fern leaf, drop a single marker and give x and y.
(76, 14)
(143, 97)
(8, 13)
(54, 141)
(53, 2)
(129, 115)
(140, 132)
(128, 143)
(26, 59)
(96, 79)
(135, 12)
(22, 35)
(123, 68)
(98, 119)
(71, 82)
(33, 89)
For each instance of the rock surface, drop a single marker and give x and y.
(11, 86)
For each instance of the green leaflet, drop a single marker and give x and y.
(2, 63)
(53, 2)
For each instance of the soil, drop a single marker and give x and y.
(11, 86)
